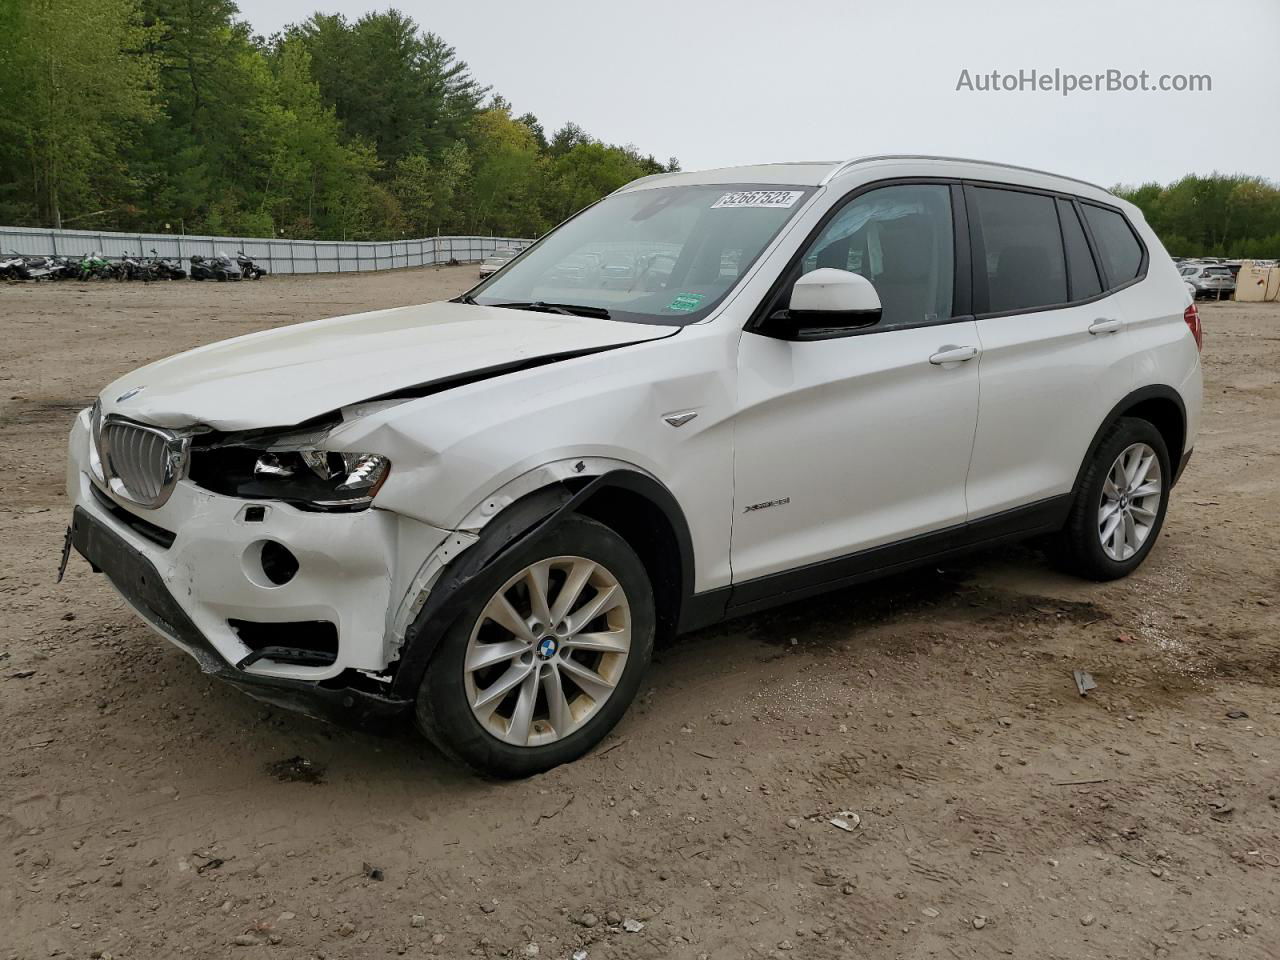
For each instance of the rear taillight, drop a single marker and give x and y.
(1192, 316)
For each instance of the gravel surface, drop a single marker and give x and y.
(984, 807)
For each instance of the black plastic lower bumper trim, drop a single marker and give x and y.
(138, 581)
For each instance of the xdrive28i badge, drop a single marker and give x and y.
(751, 507)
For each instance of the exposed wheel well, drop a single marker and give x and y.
(1167, 417)
(649, 531)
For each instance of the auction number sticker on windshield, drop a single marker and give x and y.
(759, 198)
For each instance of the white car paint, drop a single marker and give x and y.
(869, 441)
(854, 442)
(308, 369)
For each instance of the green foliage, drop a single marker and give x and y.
(1214, 216)
(73, 103)
(137, 114)
(391, 84)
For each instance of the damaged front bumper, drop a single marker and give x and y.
(193, 569)
(141, 585)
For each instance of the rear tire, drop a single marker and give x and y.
(591, 661)
(1120, 505)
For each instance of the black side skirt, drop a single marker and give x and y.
(1044, 516)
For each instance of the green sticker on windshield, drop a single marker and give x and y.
(685, 302)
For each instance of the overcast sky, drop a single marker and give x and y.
(716, 84)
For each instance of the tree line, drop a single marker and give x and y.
(1214, 216)
(170, 114)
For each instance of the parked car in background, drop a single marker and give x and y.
(497, 260)
(1209, 280)
(481, 514)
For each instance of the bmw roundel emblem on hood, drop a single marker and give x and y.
(129, 393)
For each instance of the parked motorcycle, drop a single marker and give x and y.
(248, 269)
(166, 269)
(131, 268)
(43, 268)
(94, 266)
(14, 267)
(62, 268)
(220, 268)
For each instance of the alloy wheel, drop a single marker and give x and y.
(1130, 504)
(547, 651)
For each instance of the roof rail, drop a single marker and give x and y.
(842, 167)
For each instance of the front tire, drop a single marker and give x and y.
(1121, 503)
(546, 655)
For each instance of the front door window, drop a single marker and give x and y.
(901, 239)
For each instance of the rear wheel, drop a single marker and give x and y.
(1121, 503)
(546, 656)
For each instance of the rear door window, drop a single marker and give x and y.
(1025, 264)
(1118, 247)
(1082, 271)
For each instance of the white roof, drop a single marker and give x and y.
(822, 172)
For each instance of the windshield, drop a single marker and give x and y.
(662, 255)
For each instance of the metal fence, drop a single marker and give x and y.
(277, 255)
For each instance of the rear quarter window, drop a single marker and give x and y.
(1082, 271)
(1118, 246)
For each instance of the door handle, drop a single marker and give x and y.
(1103, 325)
(953, 354)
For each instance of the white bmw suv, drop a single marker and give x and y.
(707, 394)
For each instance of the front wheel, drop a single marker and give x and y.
(546, 656)
(1120, 504)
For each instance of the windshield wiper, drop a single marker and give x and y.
(569, 309)
(468, 299)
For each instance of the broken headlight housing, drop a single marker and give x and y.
(293, 470)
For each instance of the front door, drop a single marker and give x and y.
(863, 437)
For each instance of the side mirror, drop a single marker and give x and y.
(832, 296)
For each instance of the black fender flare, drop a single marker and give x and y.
(1154, 392)
(522, 523)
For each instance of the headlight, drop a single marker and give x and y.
(303, 475)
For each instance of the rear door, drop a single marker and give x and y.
(1056, 357)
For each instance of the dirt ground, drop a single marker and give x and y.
(145, 812)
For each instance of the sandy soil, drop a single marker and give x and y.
(1000, 812)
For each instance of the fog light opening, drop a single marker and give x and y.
(279, 565)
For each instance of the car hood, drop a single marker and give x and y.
(289, 375)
